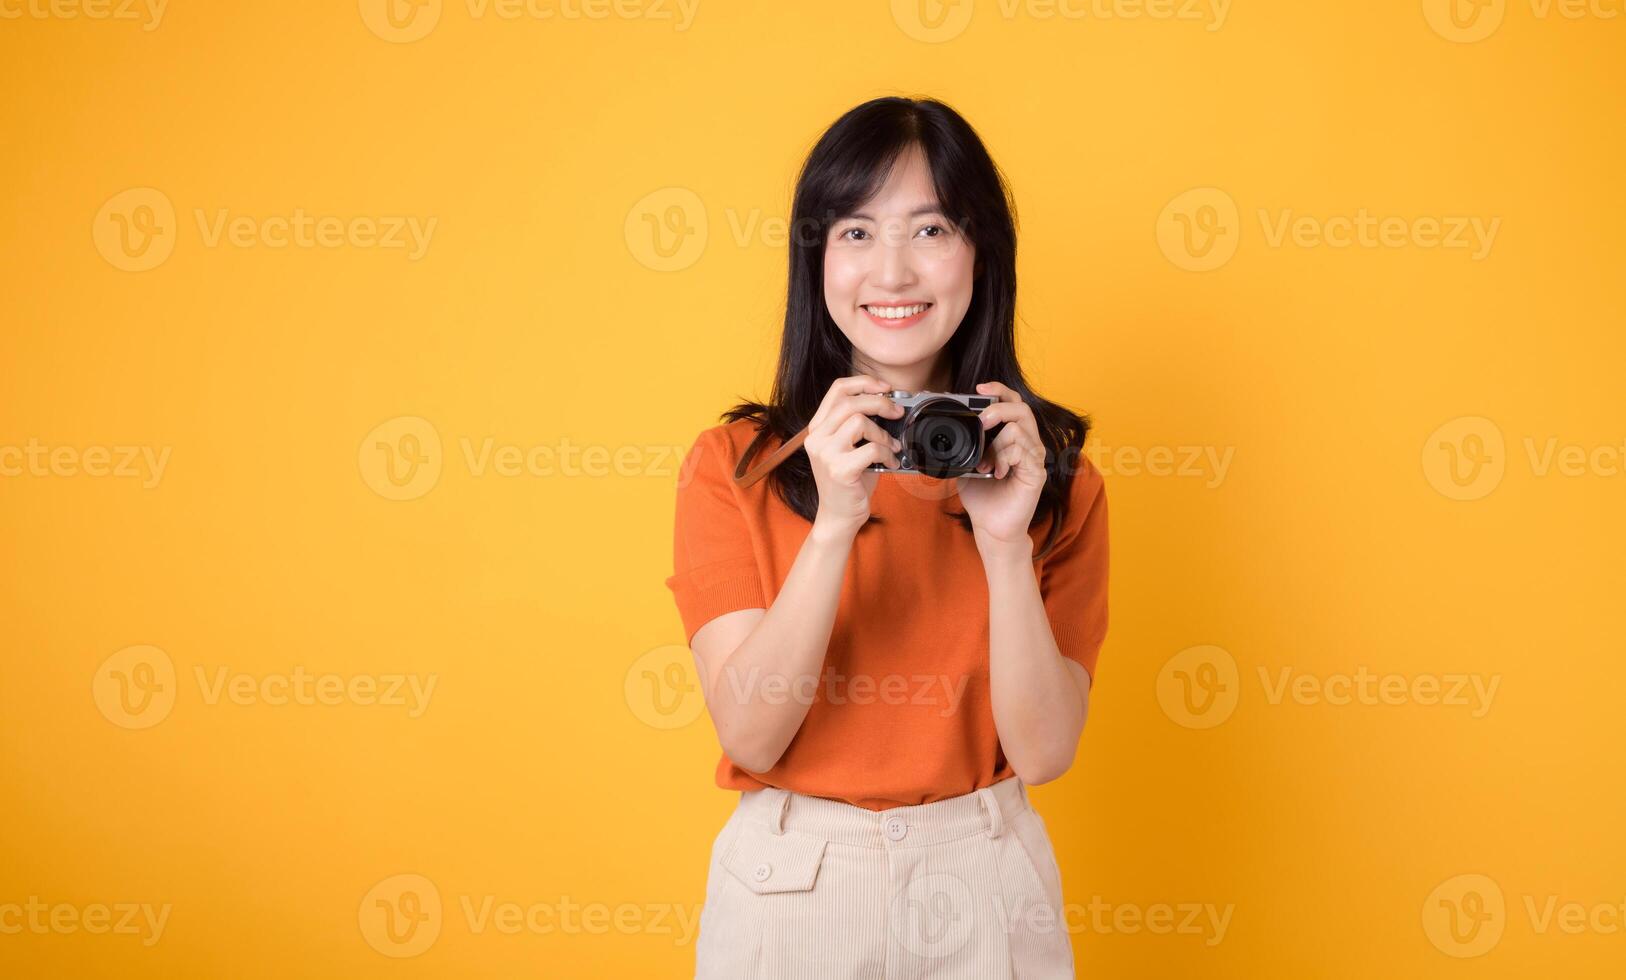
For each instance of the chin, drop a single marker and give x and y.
(900, 349)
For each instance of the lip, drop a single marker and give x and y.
(904, 323)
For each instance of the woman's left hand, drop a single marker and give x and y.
(1002, 508)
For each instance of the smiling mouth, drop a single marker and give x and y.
(895, 314)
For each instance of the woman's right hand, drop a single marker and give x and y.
(840, 466)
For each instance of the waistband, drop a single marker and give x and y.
(983, 811)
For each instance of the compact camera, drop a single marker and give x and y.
(941, 433)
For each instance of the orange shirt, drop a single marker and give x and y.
(902, 712)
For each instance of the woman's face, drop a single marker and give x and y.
(898, 275)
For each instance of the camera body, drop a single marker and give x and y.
(941, 432)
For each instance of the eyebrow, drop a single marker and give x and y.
(917, 212)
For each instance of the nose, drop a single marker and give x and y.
(894, 265)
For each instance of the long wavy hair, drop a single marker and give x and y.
(847, 167)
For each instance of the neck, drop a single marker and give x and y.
(930, 375)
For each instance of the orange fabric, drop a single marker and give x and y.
(901, 714)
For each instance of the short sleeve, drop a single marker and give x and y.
(714, 564)
(1074, 579)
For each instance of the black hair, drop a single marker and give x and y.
(846, 167)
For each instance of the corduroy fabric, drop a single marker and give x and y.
(808, 887)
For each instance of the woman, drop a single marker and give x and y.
(887, 672)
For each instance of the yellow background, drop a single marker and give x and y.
(544, 769)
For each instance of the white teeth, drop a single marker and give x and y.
(897, 312)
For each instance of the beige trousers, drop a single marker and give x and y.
(802, 886)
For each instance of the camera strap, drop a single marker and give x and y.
(743, 479)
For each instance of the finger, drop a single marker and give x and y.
(1012, 447)
(841, 388)
(1002, 391)
(862, 426)
(870, 403)
(859, 460)
(1017, 434)
(1029, 459)
(1019, 412)
(1019, 418)
(1010, 458)
(1012, 407)
(1002, 462)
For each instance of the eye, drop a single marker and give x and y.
(853, 231)
(939, 229)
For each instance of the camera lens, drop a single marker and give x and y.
(944, 438)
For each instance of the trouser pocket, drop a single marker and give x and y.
(1039, 942)
(762, 911)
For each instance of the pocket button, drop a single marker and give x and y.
(762, 871)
